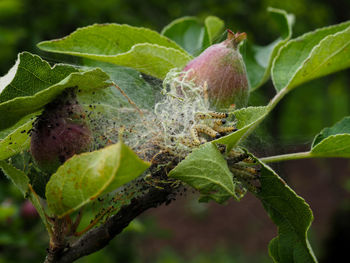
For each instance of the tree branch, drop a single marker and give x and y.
(162, 191)
(98, 238)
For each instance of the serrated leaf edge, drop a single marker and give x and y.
(47, 64)
(210, 180)
(250, 126)
(136, 46)
(11, 134)
(331, 137)
(105, 185)
(309, 249)
(130, 51)
(40, 45)
(314, 50)
(290, 42)
(328, 128)
(205, 178)
(62, 82)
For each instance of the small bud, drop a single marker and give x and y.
(221, 69)
(60, 132)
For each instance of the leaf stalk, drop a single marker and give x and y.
(287, 157)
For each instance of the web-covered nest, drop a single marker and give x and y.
(180, 121)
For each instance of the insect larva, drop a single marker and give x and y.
(194, 135)
(207, 130)
(211, 115)
(224, 129)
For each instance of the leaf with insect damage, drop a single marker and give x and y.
(16, 138)
(85, 177)
(247, 120)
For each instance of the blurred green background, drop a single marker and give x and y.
(187, 231)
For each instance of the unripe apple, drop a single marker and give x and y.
(222, 70)
(60, 132)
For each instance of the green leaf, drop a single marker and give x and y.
(187, 32)
(18, 178)
(139, 48)
(18, 139)
(4, 133)
(106, 40)
(190, 33)
(147, 58)
(21, 181)
(258, 59)
(333, 141)
(143, 90)
(214, 27)
(32, 75)
(150, 59)
(84, 177)
(39, 208)
(247, 120)
(15, 109)
(206, 170)
(24, 162)
(311, 56)
(290, 213)
(273, 250)
(330, 142)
